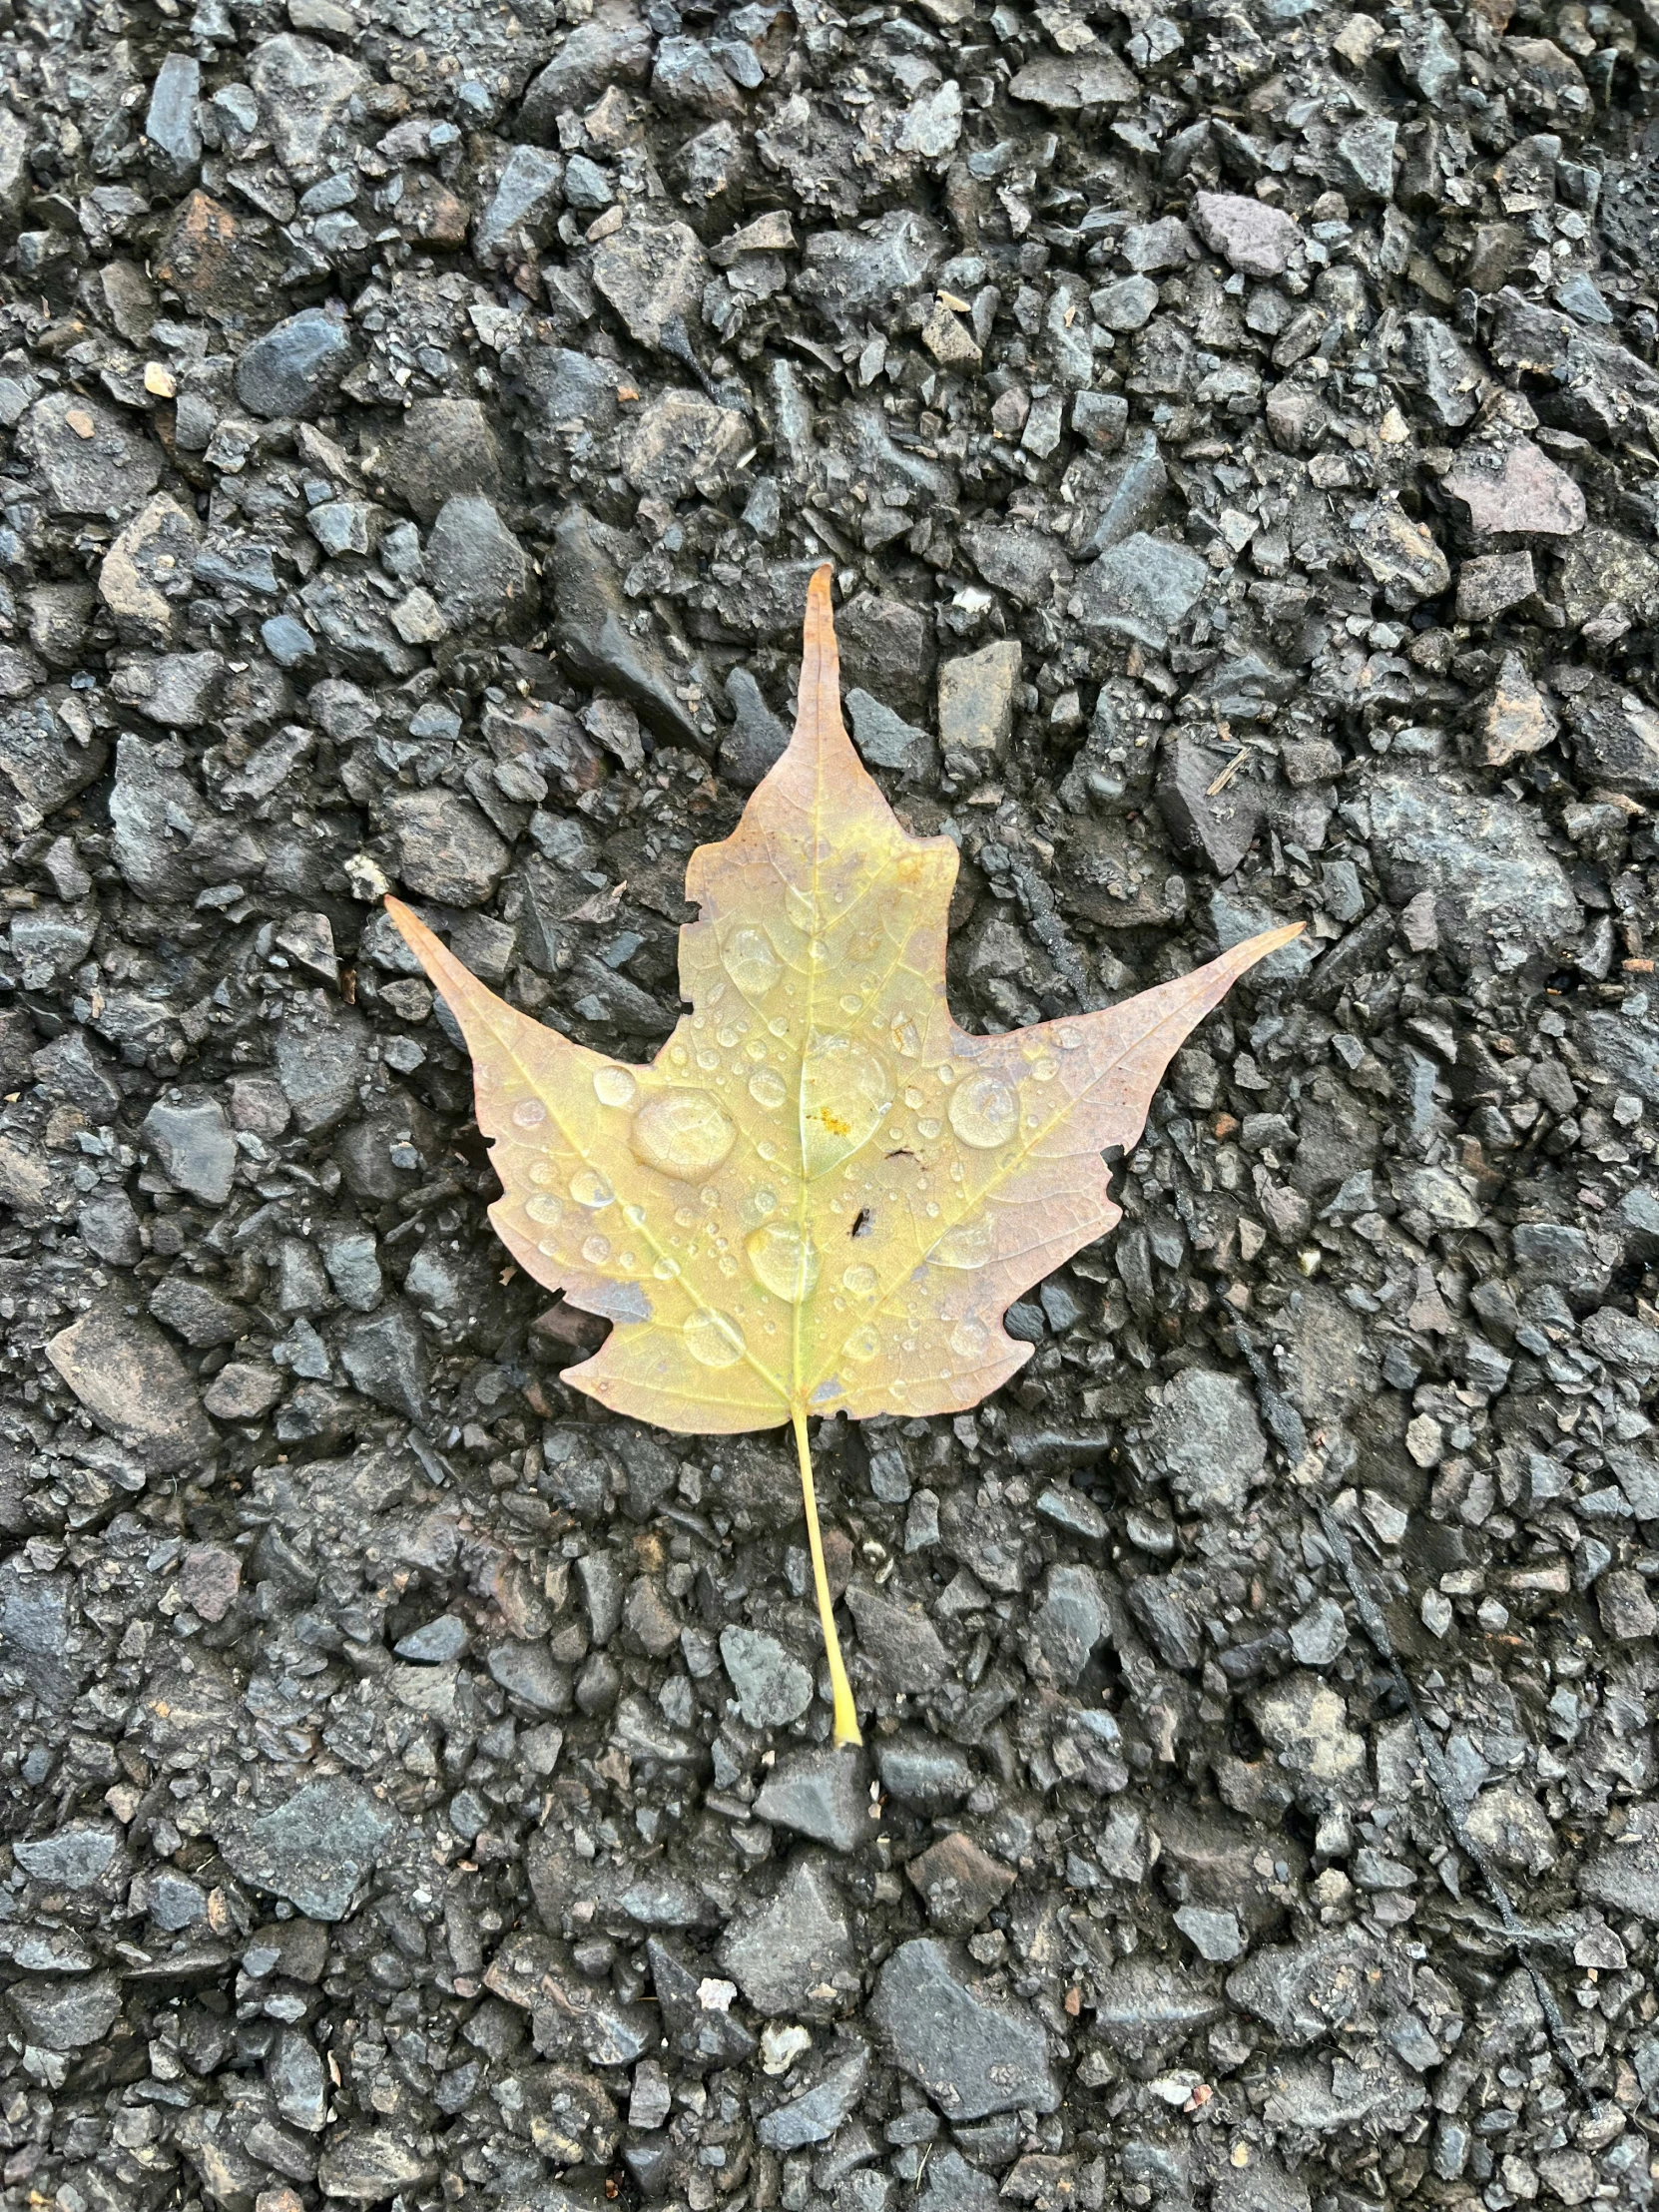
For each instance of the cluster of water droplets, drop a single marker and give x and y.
(848, 1093)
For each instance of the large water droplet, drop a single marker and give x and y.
(590, 1189)
(713, 1339)
(784, 1261)
(799, 906)
(681, 1133)
(969, 1337)
(904, 1037)
(596, 1249)
(529, 1113)
(1042, 1067)
(864, 1346)
(666, 1269)
(845, 1096)
(984, 1112)
(614, 1087)
(768, 1089)
(968, 1245)
(543, 1208)
(861, 1280)
(544, 1173)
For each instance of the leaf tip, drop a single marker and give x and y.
(820, 654)
(1274, 940)
(409, 925)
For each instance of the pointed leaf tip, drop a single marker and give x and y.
(819, 654)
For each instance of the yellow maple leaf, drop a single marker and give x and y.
(821, 1195)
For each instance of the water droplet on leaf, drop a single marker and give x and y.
(984, 1112)
(589, 1188)
(968, 1245)
(713, 1339)
(543, 1208)
(767, 1088)
(861, 1280)
(595, 1250)
(614, 1087)
(529, 1113)
(784, 1262)
(681, 1133)
(968, 1339)
(845, 1097)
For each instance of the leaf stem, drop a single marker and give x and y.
(846, 1718)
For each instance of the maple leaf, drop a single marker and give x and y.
(821, 1195)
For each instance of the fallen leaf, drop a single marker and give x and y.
(821, 1195)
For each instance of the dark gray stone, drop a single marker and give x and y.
(613, 47)
(524, 206)
(756, 738)
(1208, 1436)
(1496, 886)
(1215, 827)
(973, 2053)
(822, 1793)
(1069, 1622)
(314, 1848)
(886, 741)
(133, 1384)
(446, 849)
(297, 366)
(816, 2114)
(74, 1858)
(442, 449)
(852, 277)
(1333, 1983)
(385, 1358)
(593, 626)
(172, 123)
(702, 2035)
(795, 1954)
(66, 2016)
(479, 571)
(773, 1687)
(194, 1144)
(321, 1059)
(1141, 588)
(91, 462)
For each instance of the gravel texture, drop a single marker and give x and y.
(1234, 432)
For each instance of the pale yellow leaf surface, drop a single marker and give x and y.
(821, 1195)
